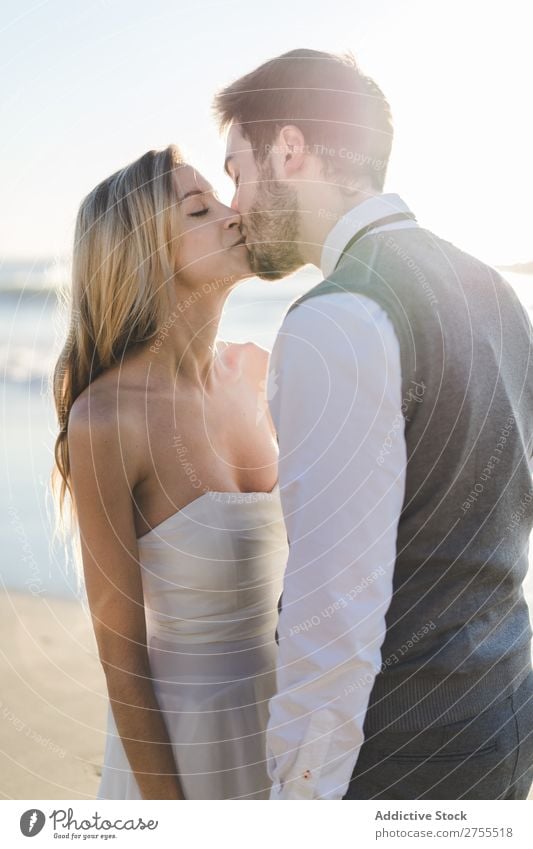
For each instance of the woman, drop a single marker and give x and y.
(168, 452)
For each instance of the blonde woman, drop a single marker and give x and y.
(171, 475)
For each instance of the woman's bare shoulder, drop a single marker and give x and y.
(112, 398)
(95, 406)
(105, 421)
(253, 358)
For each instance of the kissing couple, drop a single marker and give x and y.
(312, 591)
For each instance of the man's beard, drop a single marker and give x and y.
(272, 226)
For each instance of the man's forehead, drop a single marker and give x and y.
(236, 143)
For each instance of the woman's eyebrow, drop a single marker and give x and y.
(199, 192)
(192, 192)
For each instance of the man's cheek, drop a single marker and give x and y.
(245, 197)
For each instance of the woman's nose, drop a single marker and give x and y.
(233, 219)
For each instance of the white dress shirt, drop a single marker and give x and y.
(335, 398)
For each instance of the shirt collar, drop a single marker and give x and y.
(355, 219)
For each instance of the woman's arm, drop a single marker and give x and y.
(104, 467)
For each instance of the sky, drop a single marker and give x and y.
(88, 85)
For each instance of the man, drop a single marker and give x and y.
(401, 388)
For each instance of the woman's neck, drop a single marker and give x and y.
(185, 347)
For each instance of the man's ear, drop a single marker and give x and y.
(291, 151)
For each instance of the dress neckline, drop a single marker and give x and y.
(209, 492)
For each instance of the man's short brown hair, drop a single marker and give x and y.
(343, 114)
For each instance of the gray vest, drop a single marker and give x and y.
(458, 633)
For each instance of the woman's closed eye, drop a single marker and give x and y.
(199, 212)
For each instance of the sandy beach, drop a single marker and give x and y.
(52, 702)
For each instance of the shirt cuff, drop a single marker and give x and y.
(294, 790)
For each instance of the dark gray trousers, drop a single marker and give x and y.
(488, 756)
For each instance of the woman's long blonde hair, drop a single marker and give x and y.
(122, 270)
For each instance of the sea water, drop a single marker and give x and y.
(30, 339)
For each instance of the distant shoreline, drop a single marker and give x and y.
(38, 292)
(38, 285)
(517, 268)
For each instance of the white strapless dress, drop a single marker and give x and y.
(212, 575)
